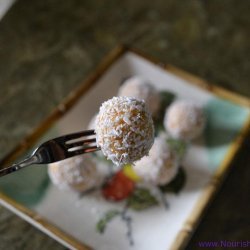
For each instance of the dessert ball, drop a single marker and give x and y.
(124, 130)
(139, 88)
(160, 166)
(77, 173)
(184, 120)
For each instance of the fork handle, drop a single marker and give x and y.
(17, 166)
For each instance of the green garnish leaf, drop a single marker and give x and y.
(166, 99)
(158, 124)
(178, 146)
(176, 185)
(141, 199)
(102, 223)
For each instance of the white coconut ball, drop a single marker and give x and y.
(160, 166)
(140, 88)
(124, 130)
(77, 173)
(184, 120)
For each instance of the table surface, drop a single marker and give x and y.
(49, 47)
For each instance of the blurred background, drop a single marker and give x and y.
(49, 47)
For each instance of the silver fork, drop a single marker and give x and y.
(58, 149)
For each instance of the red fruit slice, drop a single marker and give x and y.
(118, 187)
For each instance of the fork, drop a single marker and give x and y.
(57, 149)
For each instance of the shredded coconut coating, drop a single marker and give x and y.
(160, 166)
(140, 88)
(78, 173)
(124, 130)
(184, 120)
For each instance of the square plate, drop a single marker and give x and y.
(72, 220)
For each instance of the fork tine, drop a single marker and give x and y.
(91, 149)
(83, 151)
(76, 135)
(80, 143)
